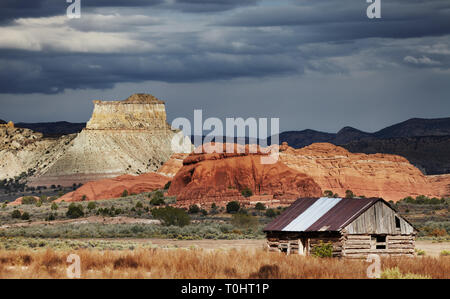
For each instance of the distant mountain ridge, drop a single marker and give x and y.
(424, 142)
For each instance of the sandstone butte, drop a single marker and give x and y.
(221, 177)
(122, 137)
(113, 188)
(334, 168)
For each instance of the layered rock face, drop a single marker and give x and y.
(378, 175)
(114, 188)
(221, 177)
(441, 184)
(22, 151)
(122, 137)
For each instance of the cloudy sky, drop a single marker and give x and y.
(318, 64)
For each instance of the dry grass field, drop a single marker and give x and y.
(200, 263)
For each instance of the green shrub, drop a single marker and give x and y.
(419, 251)
(204, 212)
(139, 205)
(322, 249)
(50, 217)
(28, 200)
(244, 221)
(16, 214)
(260, 206)
(270, 213)
(75, 211)
(25, 216)
(328, 193)
(445, 253)
(349, 194)
(171, 216)
(125, 193)
(247, 192)
(193, 209)
(394, 273)
(233, 207)
(54, 206)
(91, 205)
(157, 199)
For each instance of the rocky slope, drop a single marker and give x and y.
(114, 188)
(122, 137)
(25, 151)
(173, 165)
(440, 183)
(379, 175)
(206, 178)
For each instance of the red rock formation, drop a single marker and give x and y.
(173, 165)
(219, 177)
(18, 201)
(441, 184)
(113, 188)
(379, 175)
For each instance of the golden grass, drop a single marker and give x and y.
(198, 263)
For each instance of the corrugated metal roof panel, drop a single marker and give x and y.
(292, 212)
(324, 214)
(304, 220)
(342, 213)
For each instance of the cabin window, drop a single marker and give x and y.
(379, 241)
(397, 223)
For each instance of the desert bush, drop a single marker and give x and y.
(349, 194)
(270, 213)
(171, 216)
(157, 198)
(266, 272)
(328, 193)
(244, 221)
(419, 252)
(260, 206)
(193, 209)
(395, 273)
(16, 214)
(322, 250)
(25, 216)
(91, 205)
(246, 192)
(75, 211)
(445, 253)
(125, 193)
(233, 207)
(54, 206)
(29, 200)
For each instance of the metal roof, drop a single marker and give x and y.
(320, 214)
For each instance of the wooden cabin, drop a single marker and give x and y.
(355, 227)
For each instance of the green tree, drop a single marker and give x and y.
(328, 193)
(157, 198)
(193, 209)
(25, 216)
(270, 213)
(167, 186)
(75, 211)
(16, 214)
(54, 206)
(125, 193)
(247, 192)
(260, 206)
(233, 207)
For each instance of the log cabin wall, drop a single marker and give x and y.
(380, 219)
(302, 243)
(360, 246)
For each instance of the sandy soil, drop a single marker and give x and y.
(432, 249)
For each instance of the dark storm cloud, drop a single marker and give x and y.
(99, 51)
